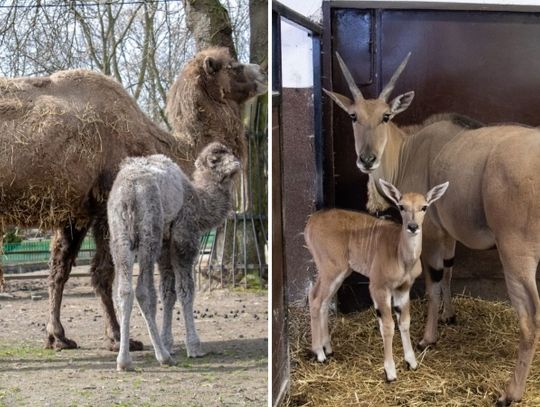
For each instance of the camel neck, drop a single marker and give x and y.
(214, 203)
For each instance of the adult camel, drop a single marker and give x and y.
(62, 138)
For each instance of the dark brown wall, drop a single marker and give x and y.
(280, 352)
(299, 184)
(482, 64)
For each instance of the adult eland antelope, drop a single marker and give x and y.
(494, 174)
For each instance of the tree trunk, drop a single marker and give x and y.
(210, 25)
(244, 243)
(258, 39)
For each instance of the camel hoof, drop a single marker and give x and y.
(60, 343)
(195, 351)
(169, 347)
(135, 346)
(168, 362)
(196, 354)
(114, 346)
(128, 367)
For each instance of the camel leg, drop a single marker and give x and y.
(146, 297)
(102, 274)
(124, 259)
(168, 294)
(65, 246)
(382, 300)
(519, 271)
(402, 307)
(183, 256)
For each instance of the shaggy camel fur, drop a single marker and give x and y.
(153, 208)
(343, 241)
(495, 201)
(62, 139)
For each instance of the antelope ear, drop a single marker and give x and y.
(401, 102)
(211, 65)
(390, 191)
(436, 192)
(342, 101)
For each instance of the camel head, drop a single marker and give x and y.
(218, 162)
(227, 78)
(371, 119)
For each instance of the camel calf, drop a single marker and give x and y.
(343, 241)
(156, 212)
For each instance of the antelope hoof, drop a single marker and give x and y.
(411, 366)
(449, 320)
(506, 400)
(389, 379)
(328, 351)
(60, 343)
(503, 402)
(422, 345)
(319, 355)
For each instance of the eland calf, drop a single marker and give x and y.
(342, 241)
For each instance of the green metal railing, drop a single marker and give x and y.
(38, 251)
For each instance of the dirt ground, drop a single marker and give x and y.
(232, 325)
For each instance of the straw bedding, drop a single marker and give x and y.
(469, 365)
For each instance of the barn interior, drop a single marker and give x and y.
(479, 60)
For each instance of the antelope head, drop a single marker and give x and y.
(371, 118)
(412, 206)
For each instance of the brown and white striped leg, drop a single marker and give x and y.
(320, 296)
(403, 315)
(382, 300)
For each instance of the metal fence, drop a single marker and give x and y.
(237, 257)
(38, 251)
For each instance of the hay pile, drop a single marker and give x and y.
(468, 366)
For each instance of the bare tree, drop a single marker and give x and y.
(142, 44)
(210, 24)
(258, 44)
